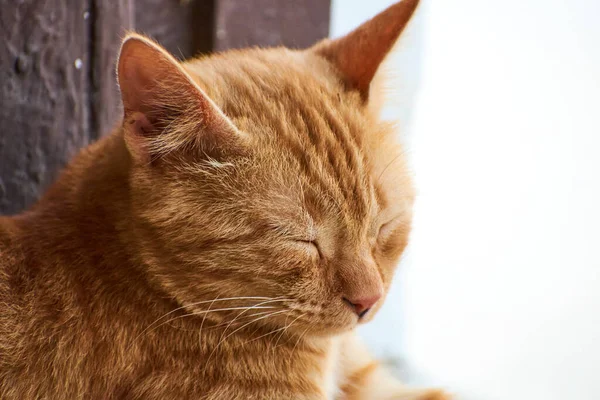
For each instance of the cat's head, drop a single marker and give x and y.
(266, 175)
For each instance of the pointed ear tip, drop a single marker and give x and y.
(413, 3)
(124, 54)
(135, 44)
(135, 39)
(403, 10)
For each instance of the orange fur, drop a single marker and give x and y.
(204, 249)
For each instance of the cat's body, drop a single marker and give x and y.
(222, 243)
(79, 307)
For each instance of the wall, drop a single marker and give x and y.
(500, 293)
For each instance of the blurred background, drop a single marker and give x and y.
(498, 295)
(500, 288)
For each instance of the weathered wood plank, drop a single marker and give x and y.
(44, 116)
(109, 22)
(292, 23)
(184, 28)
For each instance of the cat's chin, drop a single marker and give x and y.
(327, 327)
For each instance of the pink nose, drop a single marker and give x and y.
(362, 306)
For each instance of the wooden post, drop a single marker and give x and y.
(44, 104)
(58, 90)
(110, 20)
(184, 27)
(291, 23)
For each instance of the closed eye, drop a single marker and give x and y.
(388, 228)
(311, 246)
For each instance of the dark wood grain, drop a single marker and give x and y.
(44, 118)
(184, 28)
(109, 22)
(292, 23)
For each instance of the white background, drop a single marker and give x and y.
(499, 295)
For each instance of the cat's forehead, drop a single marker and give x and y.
(312, 130)
(264, 85)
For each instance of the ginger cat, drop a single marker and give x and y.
(224, 241)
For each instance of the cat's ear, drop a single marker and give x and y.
(164, 108)
(358, 55)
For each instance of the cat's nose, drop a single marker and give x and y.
(362, 305)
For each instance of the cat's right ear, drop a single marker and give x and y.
(165, 109)
(358, 55)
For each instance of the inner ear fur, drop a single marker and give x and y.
(164, 109)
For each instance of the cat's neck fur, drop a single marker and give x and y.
(83, 266)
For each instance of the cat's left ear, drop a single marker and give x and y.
(165, 109)
(358, 55)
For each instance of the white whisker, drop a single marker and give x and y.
(249, 308)
(286, 328)
(206, 312)
(245, 318)
(198, 303)
(300, 337)
(204, 317)
(242, 327)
